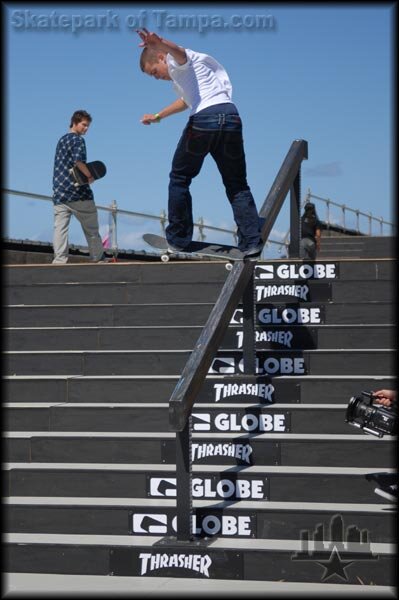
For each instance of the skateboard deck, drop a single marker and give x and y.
(199, 249)
(96, 168)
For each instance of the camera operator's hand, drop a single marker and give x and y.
(385, 397)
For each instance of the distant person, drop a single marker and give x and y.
(214, 127)
(310, 232)
(70, 200)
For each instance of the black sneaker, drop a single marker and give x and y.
(254, 251)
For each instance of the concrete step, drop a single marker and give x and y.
(317, 389)
(325, 291)
(212, 482)
(133, 272)
(138, 293)
(200, 271)
(114, 293)
(239, 418)
(105, 586)
(196, 314)
(108, 315)
(174, 338)
(245, 519)
(342, 247)
(269, 560)
(327, 270)
(168, 362)
(364, 246)
(335, 450)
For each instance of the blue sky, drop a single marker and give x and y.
(323, 73)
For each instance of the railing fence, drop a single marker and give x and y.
(344, 214)
(276, 247)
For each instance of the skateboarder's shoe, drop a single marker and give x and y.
(172, 248)
(254, 251)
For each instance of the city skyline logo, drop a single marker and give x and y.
(353, 543)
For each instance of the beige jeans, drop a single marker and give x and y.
(86, 213)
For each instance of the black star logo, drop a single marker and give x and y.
(334, 566)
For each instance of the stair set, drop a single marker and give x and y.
(283, 487)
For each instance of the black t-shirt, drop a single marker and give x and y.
(309, 226)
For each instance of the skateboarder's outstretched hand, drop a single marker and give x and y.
(150, 40)
(147, 119)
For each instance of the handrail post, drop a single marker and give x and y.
(114, 235)
(249, 334)
(328, 213)
(295, 222)
(202, 235)
(162, 221)
(184, 500)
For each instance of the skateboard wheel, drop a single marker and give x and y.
(229, 266)
(165, 258)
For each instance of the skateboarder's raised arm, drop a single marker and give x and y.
(177, 106)
(158, 44)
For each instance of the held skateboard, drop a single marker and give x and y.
(197, 249)
(96, 168)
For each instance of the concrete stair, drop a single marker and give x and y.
(357, 246)
(92, 355)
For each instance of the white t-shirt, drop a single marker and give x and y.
(201, 81)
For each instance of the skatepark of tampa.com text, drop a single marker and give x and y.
(29, 20)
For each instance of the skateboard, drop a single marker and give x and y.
(197, 249)
(96, 168)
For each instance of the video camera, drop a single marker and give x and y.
(375, 419)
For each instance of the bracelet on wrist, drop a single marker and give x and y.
(157, 117)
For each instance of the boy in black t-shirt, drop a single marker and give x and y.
(310, 232)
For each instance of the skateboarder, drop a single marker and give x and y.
(214, 127)
(70, 200)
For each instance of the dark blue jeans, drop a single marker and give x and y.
(216, 130)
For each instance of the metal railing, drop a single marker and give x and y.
(343, 221)
(239, 284)
(279, 247)
(203, 229)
